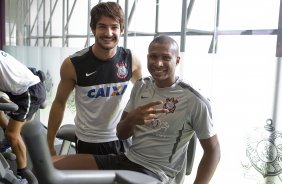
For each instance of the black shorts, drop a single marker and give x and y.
(121, 162)
(115, 147)
(29, 102)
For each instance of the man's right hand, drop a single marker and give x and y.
(146, 113)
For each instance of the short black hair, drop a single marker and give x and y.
(162, 39)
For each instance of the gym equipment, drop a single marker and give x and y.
(36, 144)
(5, 104)
(6, 174)
(67, 134)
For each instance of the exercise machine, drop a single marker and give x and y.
(7, 176)
(36, 143)
(67, 134)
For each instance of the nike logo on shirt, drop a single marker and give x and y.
(88, 74)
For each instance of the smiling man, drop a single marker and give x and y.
(100, 75)
(161, 116)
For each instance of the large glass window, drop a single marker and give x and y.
(232, 61)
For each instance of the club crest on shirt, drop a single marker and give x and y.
(121, 70)
(170, 104)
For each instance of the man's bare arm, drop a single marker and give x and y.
(209, 161)
(136, 68)
(65, 87)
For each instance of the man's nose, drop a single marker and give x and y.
(159, 62)
(109, 31)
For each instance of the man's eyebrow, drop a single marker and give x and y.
(115, 24)
(100, 23)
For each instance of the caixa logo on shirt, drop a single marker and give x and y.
(107, 91)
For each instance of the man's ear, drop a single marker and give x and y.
(177, 60)
(93, 31)
(121, 29)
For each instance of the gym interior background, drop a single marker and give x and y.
(230, 49)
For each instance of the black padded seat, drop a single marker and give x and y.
(67, 134)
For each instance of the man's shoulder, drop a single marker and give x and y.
(80, 53)
(194, 90)
(124, 52)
